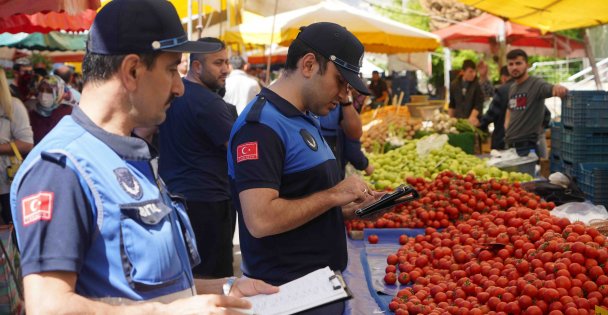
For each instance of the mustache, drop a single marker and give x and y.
(170, 98)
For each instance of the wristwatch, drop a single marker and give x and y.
(228, 285)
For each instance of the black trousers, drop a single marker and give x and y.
(213, 224)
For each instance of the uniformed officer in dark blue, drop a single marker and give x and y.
(284, 177)
(97, 229)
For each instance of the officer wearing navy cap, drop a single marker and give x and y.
(97, 229)
(284, 177)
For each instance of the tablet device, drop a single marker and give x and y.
(402, 194)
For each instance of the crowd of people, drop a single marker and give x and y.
(138, 230)
(160, 153)
(517, 110)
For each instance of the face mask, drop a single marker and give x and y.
(46, 99)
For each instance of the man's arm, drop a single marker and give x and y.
(559, 90)
(351, 123)
(507, 118)
(264, 211)
(53, 293)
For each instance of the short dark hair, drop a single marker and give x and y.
(65, 73)
(376, 72)
(96, 67)
(198, 56)
(504, 70)
(299, 49)
(468, 64)
(513, 54)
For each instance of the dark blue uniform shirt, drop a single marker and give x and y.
(192, 145)
(274, 145)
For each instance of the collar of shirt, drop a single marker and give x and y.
(286, 108)
(128, 148)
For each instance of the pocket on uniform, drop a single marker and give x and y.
(148, 251)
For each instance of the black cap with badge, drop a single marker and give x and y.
(141, 26)
(340, 46)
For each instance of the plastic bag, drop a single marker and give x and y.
(580, 211)
(433, 142)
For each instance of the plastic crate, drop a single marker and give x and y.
(587, 109)
(593, 181)
(556, 137)
(584, 145)
(555, 164)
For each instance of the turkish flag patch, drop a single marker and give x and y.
(37, 207)
(247, 151)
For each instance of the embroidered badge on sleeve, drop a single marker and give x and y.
(247, 151)
(37, 207)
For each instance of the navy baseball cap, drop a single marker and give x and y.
(141, 26)
(340, 46)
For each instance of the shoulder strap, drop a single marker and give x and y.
(16, 151)
(256, 110)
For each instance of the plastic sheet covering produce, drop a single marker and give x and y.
(581, 211)
(373, 260)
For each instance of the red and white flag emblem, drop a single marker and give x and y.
(37, 207)
(247, 151)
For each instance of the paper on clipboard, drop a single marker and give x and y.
(317, 288)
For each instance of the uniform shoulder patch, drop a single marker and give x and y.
(247, 151)
(37, 207)
(128, 182)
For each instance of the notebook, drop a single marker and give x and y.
(317, 288)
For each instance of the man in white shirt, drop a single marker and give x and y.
(240, 86)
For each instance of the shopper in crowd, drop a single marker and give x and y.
(526, 111)
(240, 86)
(14, 127)
(379, 90)
(466, 96)
(283, 175)
(97, 229)
(22, 76)
(67, 74)
(51, 106)
(484, 80)
(497, 111)
(193, 142)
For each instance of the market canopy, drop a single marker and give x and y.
(547, 15)
(53, 41)
(378, 34)
(47, 22)
(481, 34)
(70, 7)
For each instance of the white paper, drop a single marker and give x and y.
(304, 293)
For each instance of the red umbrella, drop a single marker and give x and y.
(12, 7)
(481, 34)
(47, 22)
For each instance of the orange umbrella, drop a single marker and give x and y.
(70, 7)
(47, 22)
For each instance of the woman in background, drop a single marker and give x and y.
(15, 127)
(51, 106)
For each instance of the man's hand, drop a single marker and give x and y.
(206, 305)
(559, 90)
(248, 287)
(348, 211)
(351, 189)
(369, 170)
(474, 121)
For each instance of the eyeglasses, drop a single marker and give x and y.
(168, 43)
(344, 64)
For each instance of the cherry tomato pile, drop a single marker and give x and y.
(452, 197)
(519, 261)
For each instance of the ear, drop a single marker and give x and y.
(130, 70)
(308, 65)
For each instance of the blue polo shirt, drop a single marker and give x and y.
(192, 145)
(274, 145)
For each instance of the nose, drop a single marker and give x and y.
(178, 86)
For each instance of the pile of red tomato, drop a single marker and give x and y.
(519, 261)
(451, 197)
